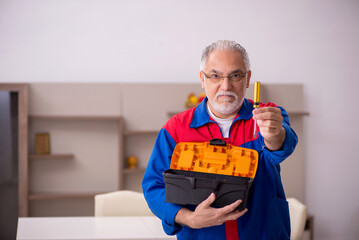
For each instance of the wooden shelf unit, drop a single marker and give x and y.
(150, 114)
(36, 196)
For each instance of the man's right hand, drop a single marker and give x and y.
(206, 216)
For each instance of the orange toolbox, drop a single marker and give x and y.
(199, 168)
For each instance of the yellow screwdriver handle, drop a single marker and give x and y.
(257, 87)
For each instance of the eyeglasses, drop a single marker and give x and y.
(235, 77)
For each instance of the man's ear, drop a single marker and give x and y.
(249, 74)
(201, 75)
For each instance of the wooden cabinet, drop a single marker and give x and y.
(76, 142)
(49, 173)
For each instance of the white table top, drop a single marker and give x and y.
(90, 228)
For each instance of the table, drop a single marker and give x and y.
(91, 228)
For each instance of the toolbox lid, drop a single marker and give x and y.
(215, 157)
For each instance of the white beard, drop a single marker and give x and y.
(225, 108)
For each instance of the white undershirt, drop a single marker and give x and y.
(223, 123)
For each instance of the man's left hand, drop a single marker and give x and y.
(269, 120)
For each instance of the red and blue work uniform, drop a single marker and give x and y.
(268, 214)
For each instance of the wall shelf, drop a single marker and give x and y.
(290, 113)
(133, 171)
(55, 196)
(51, 156)
(68, 117)
(298, 113)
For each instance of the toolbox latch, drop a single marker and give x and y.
(217, 142)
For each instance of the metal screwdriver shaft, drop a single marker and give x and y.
(257, 86)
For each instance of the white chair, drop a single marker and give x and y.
(298, 217)
(121, 203)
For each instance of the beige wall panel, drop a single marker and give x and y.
(74, 99)
(146, 106)
(289, 96)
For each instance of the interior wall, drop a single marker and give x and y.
(308, 42)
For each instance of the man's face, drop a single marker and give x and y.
(225, 97)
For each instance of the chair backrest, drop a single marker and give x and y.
(298, 217)
(121, 203)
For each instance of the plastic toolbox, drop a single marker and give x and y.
(199, 168)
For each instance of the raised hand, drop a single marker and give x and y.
(269, 120)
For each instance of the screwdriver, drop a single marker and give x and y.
(257, 87)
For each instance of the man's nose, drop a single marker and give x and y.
(225, 83)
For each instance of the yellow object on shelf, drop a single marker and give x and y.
(42, 143)
(132, 162)
(193, 100)
(218, 159)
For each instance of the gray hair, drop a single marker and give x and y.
(225, 45)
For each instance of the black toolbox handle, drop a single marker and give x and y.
(214, 184)
(217, 142)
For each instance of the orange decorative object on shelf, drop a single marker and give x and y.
(132, 162)
(220, 158)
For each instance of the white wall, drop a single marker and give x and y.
(309, 42)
